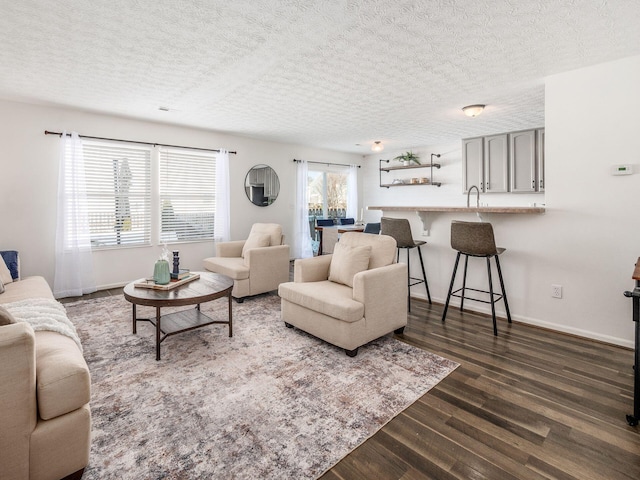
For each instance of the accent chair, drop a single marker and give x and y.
(350, 297)
(257, 265)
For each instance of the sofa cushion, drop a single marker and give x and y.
(326, 297)
(347, 261)
(62, 377)
(30, 287)
(5, 274)
(5, 317)
(1, 286)
(233, 267)
(256, 240)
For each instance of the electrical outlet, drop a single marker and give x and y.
(556, 291)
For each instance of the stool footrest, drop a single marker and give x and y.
(497, 296)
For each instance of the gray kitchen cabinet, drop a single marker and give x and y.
(506, 162)
(540, 159)
(472, 163)
(496, 163)
(485, 163)
(522, 154)
(526, 155)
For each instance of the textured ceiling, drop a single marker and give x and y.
(329, 73)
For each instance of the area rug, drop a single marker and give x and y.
(268, 403)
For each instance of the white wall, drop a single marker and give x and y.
(29, 176)
(589, 238)
(587, 241)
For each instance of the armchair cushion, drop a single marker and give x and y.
(326, 297)
(272, 229)
(232, 267)
(347, 261)
(256, 240)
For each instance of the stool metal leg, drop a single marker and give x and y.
(453, 279)
(408, 279)
(464, 281)
(504, 292)
(493, 304)
(424, 274)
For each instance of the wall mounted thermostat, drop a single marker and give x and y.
(621, 170)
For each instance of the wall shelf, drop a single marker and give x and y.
(430, 166)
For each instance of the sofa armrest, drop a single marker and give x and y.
(230, 249)
(312, 269)
(383, 291)
(17, 398)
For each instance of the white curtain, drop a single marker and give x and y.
(222, 220)
(74, 266)
(302, 239)
(352, 193)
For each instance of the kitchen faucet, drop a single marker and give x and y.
(477, 195)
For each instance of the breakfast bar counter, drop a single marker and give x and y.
(424, 212)
(480, 209)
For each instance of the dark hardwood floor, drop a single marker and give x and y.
(529, 404)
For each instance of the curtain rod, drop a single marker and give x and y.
(47, 132)
(327, 163)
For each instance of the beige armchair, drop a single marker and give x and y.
(351, 297)
(257, 265)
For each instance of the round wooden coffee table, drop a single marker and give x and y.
(209, 286)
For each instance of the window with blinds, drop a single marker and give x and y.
(187, 195)
(118, 184)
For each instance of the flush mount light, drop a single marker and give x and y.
(377, 146)
(473, 110)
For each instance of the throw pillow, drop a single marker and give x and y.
(347, 261)
(5, 317)
(5, 274)
(256, 240)
(1, 286)
(12, 260)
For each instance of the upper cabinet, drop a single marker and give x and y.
(507, 162)
(472, 163)
(540, 159)
(522, 151)
(485, 163)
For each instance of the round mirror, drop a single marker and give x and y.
(262, 185)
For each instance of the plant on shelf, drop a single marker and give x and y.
(408, 157)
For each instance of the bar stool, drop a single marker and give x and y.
(400, 230)
(475, 239)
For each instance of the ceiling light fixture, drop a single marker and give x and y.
(377, 146)
(473, 110)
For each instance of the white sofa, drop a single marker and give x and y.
(350, 297)
(45, 387)
(257, 265)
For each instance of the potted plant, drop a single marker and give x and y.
(408, 157)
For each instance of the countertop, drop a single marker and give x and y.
(459, 209)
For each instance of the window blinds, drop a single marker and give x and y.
(187, 195)
(118, 184)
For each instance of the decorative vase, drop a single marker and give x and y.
(161, 274)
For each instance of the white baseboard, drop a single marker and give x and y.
(578, 332)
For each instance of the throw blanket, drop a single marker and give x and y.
(44, 314)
